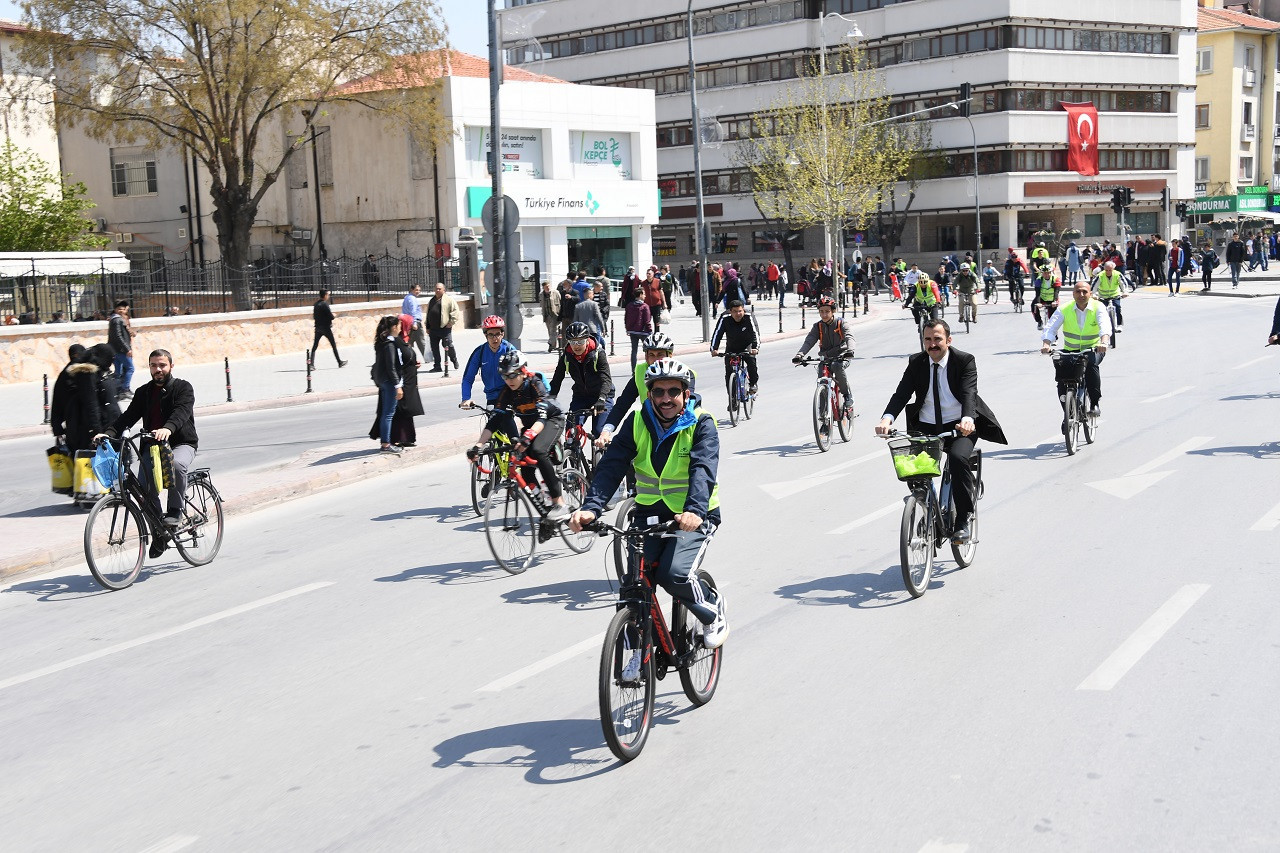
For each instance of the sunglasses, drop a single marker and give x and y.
(659, 393)
(493, 334)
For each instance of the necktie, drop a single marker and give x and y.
(937, 397)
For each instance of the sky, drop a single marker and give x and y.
(468, 29)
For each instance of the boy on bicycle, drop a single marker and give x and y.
(585, 362)
(833, 337)
(739, 330)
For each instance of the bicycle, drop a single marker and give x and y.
(1069, 368)
(1114, 337)
(639, 628)
(579, 444)
(928, 516)
(515, 515)
(741, 399)
(1016, 297)
(966, 310)
(487, 468)
(827, 405)
(121, 525)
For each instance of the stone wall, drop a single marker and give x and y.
(28, 352)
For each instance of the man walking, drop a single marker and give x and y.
(550, 301)
(322, 314)
(442, 313)
(1235, 258)
(120, 336)
(413, 308)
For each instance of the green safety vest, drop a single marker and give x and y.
(641, 367)
(1047, 289)
(671, 486)
(924, 294)
(1076, 338)
(1109, 285)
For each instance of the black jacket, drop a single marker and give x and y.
(322, 314)
(1235, 252)
(740, 335)
(387, 365)
(962, 377)
(177, 407)
(1275, 321)
(592, 379)
(90, 405)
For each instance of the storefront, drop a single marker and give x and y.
(608, 246)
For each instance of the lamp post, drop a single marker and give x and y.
(977, 204)
(701, 237)
(854, 32)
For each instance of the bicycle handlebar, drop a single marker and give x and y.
(843, 355)
(893, 433)
(604, 528)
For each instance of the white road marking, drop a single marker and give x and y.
(1145, 476)
(937, 845)
(866, 519)
(788, 488)
(1251, 363)
(1141, 641)
(172, 844)
(1269, 521)
(160, 635)
(1170, 455)
(542, 665)
(1181, 390)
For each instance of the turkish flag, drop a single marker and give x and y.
(1082, 138)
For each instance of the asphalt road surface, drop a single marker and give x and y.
(352, 673)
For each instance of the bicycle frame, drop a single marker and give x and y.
(639, 593)
(739, 366)
(128, 486)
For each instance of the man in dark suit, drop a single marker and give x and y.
(942, 406)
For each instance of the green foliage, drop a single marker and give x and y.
(40, 211)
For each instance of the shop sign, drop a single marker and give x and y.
(575, 200)
(1212, 204)
(600, 155)
(521, 152)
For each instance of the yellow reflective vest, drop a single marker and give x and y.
(1077, 337)
(671, 484)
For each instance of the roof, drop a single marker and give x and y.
(1209, 20)
(416, 70)
(12, 27)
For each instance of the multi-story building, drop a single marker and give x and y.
(1134, 60)
(27, 122)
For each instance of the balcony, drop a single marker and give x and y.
(1247, 131)
(1250, 77)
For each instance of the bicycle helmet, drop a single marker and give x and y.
(577, 331)
(493, 321)
(668, 368)
(511, 363)
(658, 341)
(964, 267)
(827, 302)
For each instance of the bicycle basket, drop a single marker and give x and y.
(1069, 367)
(916, 457)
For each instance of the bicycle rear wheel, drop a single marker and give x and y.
(574, 487)
(916, 544)
(200, 536)
(1111, 315)
(511, 528)
(1089, 424)
(822, 417)
(748, 401)
(964, 554)
(734, 402)
(626, 707)
(115, 541)
(700, 673)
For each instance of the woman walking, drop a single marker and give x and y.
(388, 375)
(403, 431)
(91, 404)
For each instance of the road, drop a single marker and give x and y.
(353, 674)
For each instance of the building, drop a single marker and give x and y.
(1135, 61)
(27, 122)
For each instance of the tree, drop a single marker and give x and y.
(827, 149)
(40, 210)
(225, 79)
(890, 222)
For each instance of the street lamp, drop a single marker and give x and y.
(701, 238)
(853, 33)
(977, 204)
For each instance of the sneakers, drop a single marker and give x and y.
(435, 369)
(342, 363)
(1095, 411)
(714, 635)
(172, 521)
(392, 449)
(1119, 328)
(124, 397)
(557, 512)
(631, 672)
(1040, 326)
(159, 545)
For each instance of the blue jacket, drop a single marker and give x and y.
(485, 360)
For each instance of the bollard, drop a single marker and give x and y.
(779, 315)
(611, 341)
(226, 366)
(310, 356)
(46, 398)
(866, 302)
(802, 323)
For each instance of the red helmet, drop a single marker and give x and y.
(493, 321)
(827, 302)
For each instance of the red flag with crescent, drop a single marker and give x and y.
(1082, 138)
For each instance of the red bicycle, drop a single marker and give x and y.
(828, 408)
(579, 444)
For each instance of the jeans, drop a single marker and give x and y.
(597, 421)
(1175, 279)
(183, 457)
(676, 560)
(1235, 273)
(387, 394)
(122, 364)
(635, 349)
(1206, 276)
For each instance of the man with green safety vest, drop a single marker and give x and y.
(675, 450)
(921, 299)
(1086, 328)
(656, 347)
(1110, 285)
(1045, 286)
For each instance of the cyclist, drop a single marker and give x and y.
(524, 399)
(1110, 286)
(656, 347)
(1085, 329)
(1046, 285)
(166, 406)
(945, 384)
(1014, 271)
(922, 299)
(585, 362)
(484, 359)
(833, 337)
(675, 450)
(967, 287)
(1040, 255)
(741, 334)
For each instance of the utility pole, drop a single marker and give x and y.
(505, 292)
(703, 271)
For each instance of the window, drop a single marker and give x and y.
(1204, 60)
(1202, 170)
(1093, 225)
(133, 172)
(1245, 175)
(1202, 115)
(1248, 58)
(1141, 223)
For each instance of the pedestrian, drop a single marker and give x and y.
(1235, 258)
(600, 294)
(587, 311)
(550, 302)
(403, 431)
(784, 284)
(412, 305)
(581, 287)
(1175, 268)
(771, 274)
(443, 313)
(630, 284)
(322, 317)
(682, 278)
(60, 400)
(733, 289)
(388, 375)
(653, 296)
(568, 302)
(369, 274)
(696, 280)
(91, 404)
(1208, 263)
(638, 323)
(1159, 258)
(120, 337)
(1073, 262)
(668, 286)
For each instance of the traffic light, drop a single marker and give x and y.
(1117, 200)
(1164, 198)
(966, 94)
(1181, 209)
(1128, 196)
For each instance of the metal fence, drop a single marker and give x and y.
(157, 288)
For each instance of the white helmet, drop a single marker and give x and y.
(658, 341)
(668, 368)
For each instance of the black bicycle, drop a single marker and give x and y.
(639, 648)
(122, 524)
(741, 399)
(1069, 369)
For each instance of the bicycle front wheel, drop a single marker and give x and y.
(626, 706)
(1089, 424)
(734, 400)
(1072, 415)
(916, 545)
(700, 670)
(748, 401)
(623, 520)
(115, 541)
(574, 487)
(200, 536)
(822, 417)
(481, 483)
(511, 527)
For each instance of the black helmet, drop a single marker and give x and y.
(577, 331)
(512, 363)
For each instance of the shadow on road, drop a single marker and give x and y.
(574, 595)
(1040, 451)
(783, 450)
(47, 511)
(61, 589)
(475, 571)
(1018, 352)
(443, 514)
(1270, 395)
(1270, 450)
(347, 456)
(870, 589)
(549, 751)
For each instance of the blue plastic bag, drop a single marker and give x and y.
(106, 464)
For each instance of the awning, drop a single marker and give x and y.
(52, 264)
